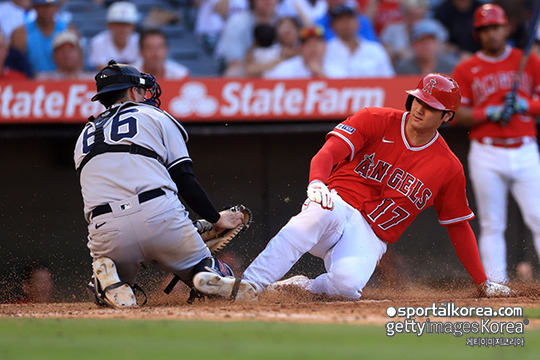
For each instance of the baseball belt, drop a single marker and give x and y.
(143, 197)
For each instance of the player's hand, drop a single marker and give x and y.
(492, 289)
(509, 108)
(319, 193)
(521, 105)
(228, 220)
(494, 113)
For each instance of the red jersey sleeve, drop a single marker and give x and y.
(332, 152)
(451, 202)
(534, 65)
(464, 243)
(359, 129)
(460, 76)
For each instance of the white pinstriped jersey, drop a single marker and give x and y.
(116, 176)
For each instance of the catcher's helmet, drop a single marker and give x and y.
(489, 14)
(438, 91)
(120, 76)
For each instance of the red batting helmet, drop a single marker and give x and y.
(438, 91)
(489, 14)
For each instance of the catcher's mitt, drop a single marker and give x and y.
(217, 241)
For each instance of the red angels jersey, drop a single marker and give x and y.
(390, 181)
(485, 81)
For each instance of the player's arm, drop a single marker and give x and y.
(530, 104)
(192, 191)
(196, 198)
(469, 114)
(464, 242)
(333, 151)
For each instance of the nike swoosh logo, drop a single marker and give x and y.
(387, 141)
(100, 225)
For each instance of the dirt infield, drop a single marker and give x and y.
(290, 306)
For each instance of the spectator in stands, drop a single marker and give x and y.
(308, 11)
(209, 22)
(68, 56)
(154, 50)
(34, 39)
(427, 37)
(120, 41)
(14, 14)
(265, 52)
(310, 62)
(365, 28)
(396, 36)
(211, 17)
(272, 46)
(237, 34)
(349, 56)
(382, 12)
(7, 73)
(288, 35)
(227, 8)
(457, 17)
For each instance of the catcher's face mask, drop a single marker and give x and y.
(120, 76)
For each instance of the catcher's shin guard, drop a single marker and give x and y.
(213, 264)
(107, 287)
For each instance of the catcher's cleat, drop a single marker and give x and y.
(110, 290)
(94, 294)
(300, 281)
(210, 283)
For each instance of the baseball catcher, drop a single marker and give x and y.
(134, 164)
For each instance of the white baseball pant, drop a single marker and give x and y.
(157, 230)
(493, 172)
(341, 237)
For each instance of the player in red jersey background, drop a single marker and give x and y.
(375, 173)
(503, 155)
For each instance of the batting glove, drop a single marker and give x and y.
(521, 105)
(491, 289)
(494, 113)
(319, 193)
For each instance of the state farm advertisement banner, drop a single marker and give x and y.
(211, 100)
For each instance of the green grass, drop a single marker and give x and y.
(531, 313)
(152, 340)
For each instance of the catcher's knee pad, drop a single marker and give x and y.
(214, 265)
(107, 287)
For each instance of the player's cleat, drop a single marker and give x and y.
(492, 289)
(230, 287)
(110, 289)
(300, 281)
